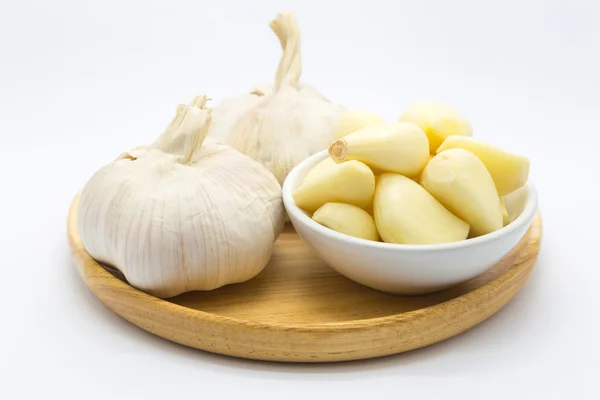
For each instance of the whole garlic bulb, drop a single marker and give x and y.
(184, 213)
(279, 125)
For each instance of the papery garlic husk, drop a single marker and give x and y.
(282, 124)
(184, 213)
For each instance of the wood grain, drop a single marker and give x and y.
(300, 310)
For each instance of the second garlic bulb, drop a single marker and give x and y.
(282, 124)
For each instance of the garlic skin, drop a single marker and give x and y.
(438, 121)
(407, 213)
(347, 219)
(461, 182)
(282, 124)
(184, 213)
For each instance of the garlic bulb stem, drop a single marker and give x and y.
(186, 132)
(290, 64)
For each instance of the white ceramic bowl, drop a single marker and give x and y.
(403, 268)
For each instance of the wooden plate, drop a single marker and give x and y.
(300, 310)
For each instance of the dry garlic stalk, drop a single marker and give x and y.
(279, 125)
(184, 213)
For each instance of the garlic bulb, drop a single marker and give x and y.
(184, 213)
(278, 125)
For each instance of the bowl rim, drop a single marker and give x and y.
(528, 213)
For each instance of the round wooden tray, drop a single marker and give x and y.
(300, 310)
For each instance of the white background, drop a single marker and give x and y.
(81, 81)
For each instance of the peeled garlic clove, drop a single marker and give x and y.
(347, 219)
(515, 203)
(320, 169)
(438, 121)
(369, 207)
(505, 216)
(184, 213)
(351, 182)
(510, 171)
(407, 213)
(460, 181)
(392, 147)
(353, 120)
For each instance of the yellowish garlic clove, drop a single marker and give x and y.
(369, 208)
(437, 120)
(320, 169)
(462, 183)
(406, 213)
(347, 219)
(515, 203)
(351, 182)
(510, 171)
(505, 216)
(353, 120)
(392, 147)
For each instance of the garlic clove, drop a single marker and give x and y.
(438, 121)
(505, 216)
(320, 169)
(351, 182)
(369, 207)
(460, 181)
(398, 147)
(515, 203)
(353, 120)
(406, 213)
(347, 219)
(509, 171)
